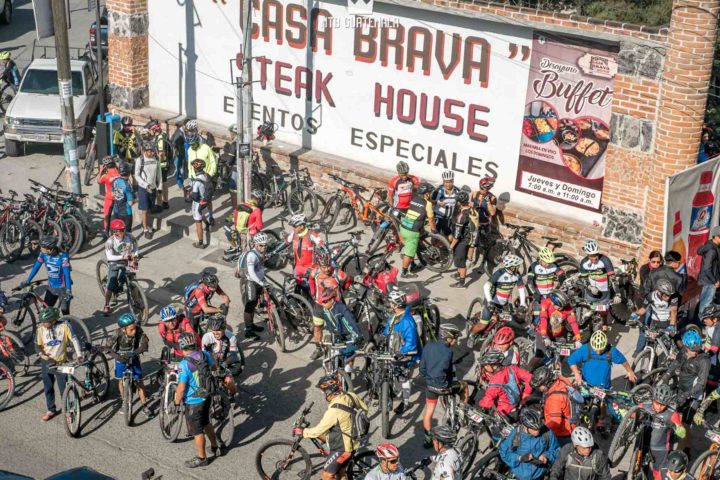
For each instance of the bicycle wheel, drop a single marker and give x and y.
(7, 93)
(303, 200)
(434, 252)
(72, 410)
(22, 317)
(354, 264)
(473, 314)
(329, 214)
(138, 302)
(222, 418)
(80, 330)
(642, 393)
(283, 459)
(50, 227)
(170, 421)
(641, 364)
(298, 313)
(277, 327)
(706, 467)
(33, 233)
(345, 381)
(73, 235)
(345, 218)
(366, 367)
(385, 407)
(12, 240)
(468, 447)
(89, 164)
(127, 400)
(99, 375)
(102, 270)
(7, 385)
(489, 467)
(624, 436)
(361, 465)
(16, 357)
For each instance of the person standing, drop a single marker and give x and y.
(201, 151)
(57, 264)
(413, 223)
(655, 261)
(252, 282)
(108, 173)
(401, 186)
(202, 191)
(443, 199)
(163, 148)
(147, 175)
(125, 140)
(709, 275)
(464, 227)
(485, 202)
(179, 147)
(123, 196)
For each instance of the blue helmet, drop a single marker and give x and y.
(167, 313)
(691, 339)
(126, 319)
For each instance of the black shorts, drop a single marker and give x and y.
(432, 394)
(335, 461)
(197, 417)
(51, 297)
(251, 291)
(164, 174)
(460, 253)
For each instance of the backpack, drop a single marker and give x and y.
(117, 190)
(594, 465)
(511, 388)
(189, 289)
(360, 421)
(206, 386)
(209, 190)
(243, 214)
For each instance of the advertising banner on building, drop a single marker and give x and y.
(566, 122)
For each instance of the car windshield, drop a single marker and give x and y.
(46, 82)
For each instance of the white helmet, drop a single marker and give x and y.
(397, 297)
(297, 220)
(191, 125)
(448, 175)
(511, 260)
(582, 437)
(591, 247)
(260, 239)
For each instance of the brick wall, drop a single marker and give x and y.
(128, 53)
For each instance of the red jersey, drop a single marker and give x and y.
(252, 223)
(400, 190)
(170, 337)
(303, 245)
(107, 179)
(495, 395)
(199, 297)
(553, 320)
(337, 280)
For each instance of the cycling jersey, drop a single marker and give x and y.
(543, 279)
(377, 474)
(11, 74)
(58, 270)
(107, 179)
(170, 337)
(123, 196)
(660, 428)
(436, 365)
(121, 343)
(464, 223)
(418, 210)
(187, 374)
(402, 334)
(116, 249)
(338, 281)
(247, 218)
(504, 389)
(400, 190)
(251, 267)
(481, 205)
(448, 465)
(444, 201)
(553, 320)
(220, 349)
(53, 341)
(659, 309)
(303, 245)
(199, 298)
(598, 273)
(503, 282)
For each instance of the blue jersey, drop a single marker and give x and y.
(188, 375)
(58, 270)
(407, 329)
(596, 367)
(122, 196)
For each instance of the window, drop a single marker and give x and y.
(45, 82)
(89, 78)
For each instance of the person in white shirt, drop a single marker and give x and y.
(148, 177)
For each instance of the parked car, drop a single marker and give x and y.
(103, 31)
(7, 12)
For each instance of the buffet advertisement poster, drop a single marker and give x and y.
(566, 123)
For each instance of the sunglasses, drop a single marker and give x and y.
(394, 461)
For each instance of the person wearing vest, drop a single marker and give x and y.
(596, 359)
(561, 402)
(247, 222)
(507, 386)
(335, 427)
(412, 224)
(401, 186)
(305, 243)
(125, 140)
(163, 150)
(147, 176)
(464, 226)
(201, 151)
(530, 449)
(108, 173)
(581, 460)
(252, 282)
(444, 199)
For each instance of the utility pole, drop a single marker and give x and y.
(99, 56)
(62, 52)
(243, 107)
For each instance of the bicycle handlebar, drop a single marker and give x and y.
(31, 284)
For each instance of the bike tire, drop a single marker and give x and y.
(301, 461)
(302, 200)
(89, 164)
(622, 439)
(298, 313)
(641, 364)
(434, 252)
(475, 308)
(431, 324)
(73, 234)
(79, 329)
(72, 410)
(127, 400)
(376, 241)
(329, 214)
(33, 233)
(277, 327)
(361, 465)
(367, 368)
(222, 418)
(100, 375)
(642, 393)
(51, 227)
(17, 358)
(354, 264)
(568, 264)
(492, 462)
(170, 423)
(346, 382)
(468, 447)
(12, 240)
(7, 385)
(706, 460)
(138, 302)
(19, 314)
(345, 218)
(385, 407)
(102, 269)
(7, 93)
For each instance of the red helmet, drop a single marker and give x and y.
(504, 335)
(487, 183)
(117, 224)
(387, 451)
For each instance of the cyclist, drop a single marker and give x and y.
(57, 265)
(485, 203)
(401, 186)
(507, 385)
(448, 461)
(543, 277)
(108, 173)
(498, 291)
(412, 223)
(201, 194)
(436, 368)
(128, 342)
(223, 346)
(324, 275)
(676, 467)
(556, 316)
(596, 359)
(699, 417)
(198, 296)
(11, 73)
(203, 152)
(402, 340)
(673, 270)
(172, 324)
(51, 342)
(711, 338)
(339, 321)
(304, 243)
(529, 451)
(464, 227)
(389, 467)
(659, 308)
(123, 195)
(120, 249)
(581, 460)
(335, 427)
(197, 407)
(690, 370)
(179, 147)
(561, 402)
(443, 199)
(504, 342)
(252, 282)
(599, 272)
(665, 421)
(126, 141)
(147, 176)
(163, 147)
(247, 222)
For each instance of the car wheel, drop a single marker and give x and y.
(7, 12)
(13, 148)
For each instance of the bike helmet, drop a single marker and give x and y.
(329, 384)
(186, 341)
(192, 138)
(49, 241)
(257, 195)
(711, 311)
(560, 298)
(462, 197)
(297, 220)
(210, 279)
(677, 461)
(691, 339)
(153, 125)
(402, 168)
(598, 341)
(448, 330)
(387, 451)
(5, 55)
(503, 336)
(664, 394)
(425, 188)
(542, 377)
(397, 297)
(448, 175)
(125, 320)
(591, 247)
(198, 164)
(511, 261)
(531, 418)
(492, 357)
(327, 294)
(546, 255)
(148, 145)
(582, 437)
(487, 183)
(108, 160)
(260, 238)
(117, 224)
(49, 314)
(191, 125)
(216, 322)
(443, 434)
(232, 128)
(124, 169)
(126, 122)
(167, 314)
(664, 286)
(322, 258)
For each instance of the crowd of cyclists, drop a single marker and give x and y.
(529, 316)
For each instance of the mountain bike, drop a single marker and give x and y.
(275, 326)
(347, 255)
(334, 363)
(291, 190)
(706, 466)
(477, 423)
(134, 294)
(127, 381)
(507, 315)
(630, 435)
(628, 289)
(659, 349)
(12, 351)
(287, 459)
(221, 411)
(347, 205)
(295, 312)
(170, 418)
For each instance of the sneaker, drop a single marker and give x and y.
(400, 409)
(455, 276)
(200, 245)
(106, 310)
(165, 205)
(49, 415)
(472, 338)
(211, 221)
(148, 411)
(148, 234)
(219, 450)
(250, 335)
(256, 328)
(318, 353)
(459, 284)
(408, 274)
(196, 462)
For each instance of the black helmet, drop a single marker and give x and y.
(49, 241)
(531, 418)
(210, 279)
(664, 286)
(186, 341)
(124, 168)
(257, 195)
(425, 188)
(677, 461)
(148, 145)
(402, 168)
(462, 197)
(49, 314)
(216, 322)
(711, 311)
(329, 385)
(444, 435)
(126, 121)
(664, 394)
(492, 357)
(108, 160)
(542, 377)
(198, 164)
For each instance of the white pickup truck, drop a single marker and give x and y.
(34, 113)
